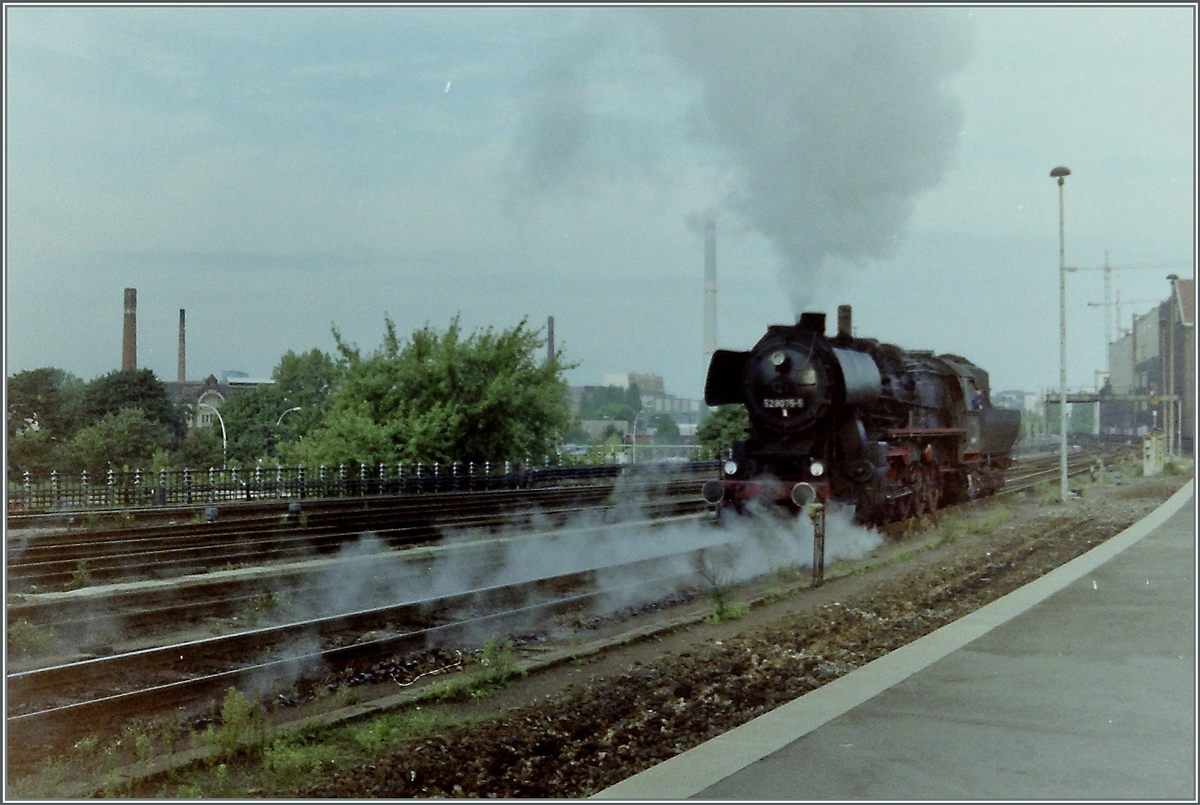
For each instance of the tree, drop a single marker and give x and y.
(259, 420)
(199, 450)
(46, 399)
(250, 418)
(722, 427)
(306, 381)
(124, 438)
(442, 397)
(137, 388)
(666, 431)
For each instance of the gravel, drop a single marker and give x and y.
(576, 729)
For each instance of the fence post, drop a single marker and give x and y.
(160, 494)
(258, 477)
(212, 486)
(454, 476)
(54, 489)
(471, 476)
(112, 491)
(84, 484)
(321, 474)
(28, 491)
(437, 480)
(300, 481)
(400, 476)
(187, 485)
(382, 477)
(418, 477)
(487, 475)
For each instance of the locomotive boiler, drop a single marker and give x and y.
(894, 432)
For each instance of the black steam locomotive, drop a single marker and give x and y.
(896, 433)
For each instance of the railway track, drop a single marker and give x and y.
(59, 703)
(58, 561)
(61, 700)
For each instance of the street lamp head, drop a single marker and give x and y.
(1059, 173)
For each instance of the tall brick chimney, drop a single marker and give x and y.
(182, 350)
(129, 346)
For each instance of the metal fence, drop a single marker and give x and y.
(136, 488)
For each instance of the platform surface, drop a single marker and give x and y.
(1080, 685)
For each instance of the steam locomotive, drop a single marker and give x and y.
(896, 433)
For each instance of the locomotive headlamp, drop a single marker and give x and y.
(817, 467)
(777, 358)
(731, 468)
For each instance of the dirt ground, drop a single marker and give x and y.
(577, 728)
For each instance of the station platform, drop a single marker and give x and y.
(1080, 685)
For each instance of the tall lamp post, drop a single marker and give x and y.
(224, 441)
(1059, 173)
(635, 419)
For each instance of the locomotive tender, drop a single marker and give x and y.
(896, 433)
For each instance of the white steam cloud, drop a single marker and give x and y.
(829, 121)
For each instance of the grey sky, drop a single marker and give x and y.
(276, 171)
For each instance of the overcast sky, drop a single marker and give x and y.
(276, 171)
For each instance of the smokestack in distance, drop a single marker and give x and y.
(182, 350)
(550, 338)
(129, 344)
(845, 325)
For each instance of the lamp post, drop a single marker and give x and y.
(1059, 173)
(285, 413)
(635, 419)
(224, 441)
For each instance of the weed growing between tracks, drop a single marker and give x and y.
(321, 755)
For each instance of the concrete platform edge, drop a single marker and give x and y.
(698, 768)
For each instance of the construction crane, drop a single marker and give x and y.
(1108, 270)
(1117, 304)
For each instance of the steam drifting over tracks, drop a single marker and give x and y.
(60, 560)
(60, 703)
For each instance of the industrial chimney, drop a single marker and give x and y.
(550, 338)
(710, 288)
(182, 351)
(845, 329)
(129, 345)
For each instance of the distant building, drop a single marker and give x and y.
(652, 384)
(209, 392)
(655, 399)
(1152, 373)
(1014, 400)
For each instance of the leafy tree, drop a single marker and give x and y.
(259, 420)
(124, 438)
(138, 388)
(306, 381)
(722, 427)
(33, 450)
(199, 450)
(250, 418)
(442, 397)
(666, 431)
(45, 399)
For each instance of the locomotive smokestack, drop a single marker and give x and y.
(129, 344)
(182, 350)
(550, 338)
(845, 325)
(710, 288)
